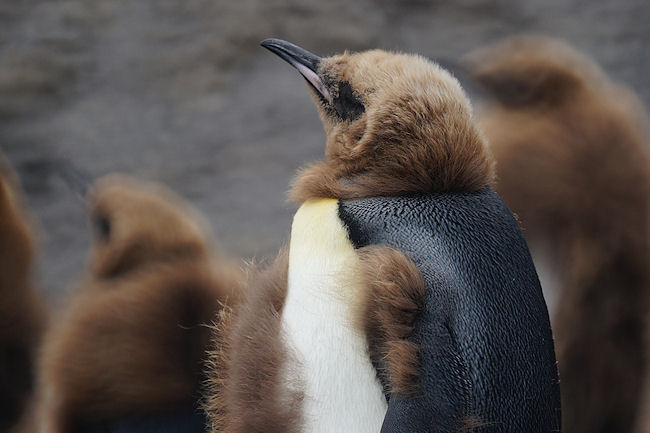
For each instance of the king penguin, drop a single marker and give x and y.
(127, 352)
(23, 314)
(572, 150)
(407, 300)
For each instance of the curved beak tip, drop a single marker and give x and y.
(292, 54)
(266, 43)
(305, 62)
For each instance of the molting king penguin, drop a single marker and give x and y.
(407, 300)
(572, 161)
(22, 311)
(127, 353)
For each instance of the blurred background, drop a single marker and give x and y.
(179, 92)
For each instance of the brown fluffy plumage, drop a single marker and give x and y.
(22, 312)
(133, 337)
(415, 135)
(572, 162)
(643, 422)
(395, 294)
(246, 394)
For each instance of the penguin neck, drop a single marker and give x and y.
(419, 168)
(342, 392)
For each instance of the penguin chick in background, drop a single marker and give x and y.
(127, 353)
(643, 417)
(22, 311)
(572, 161)
(407, 301)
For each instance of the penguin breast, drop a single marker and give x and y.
(328, 350)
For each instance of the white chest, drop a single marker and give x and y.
(342, 392)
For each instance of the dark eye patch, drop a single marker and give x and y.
(102, 227)
(346, 104)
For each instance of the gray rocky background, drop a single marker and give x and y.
(179, 92)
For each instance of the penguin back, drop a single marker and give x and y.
(485, 344)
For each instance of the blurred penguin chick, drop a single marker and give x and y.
(567, 141)
(133, 337)
(572, 162)
(22, 312)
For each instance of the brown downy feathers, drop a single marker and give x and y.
(134, 335)
(22, 311)
(247, 391)
(415, 134)
(394, 296)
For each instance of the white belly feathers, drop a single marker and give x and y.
(342, 392)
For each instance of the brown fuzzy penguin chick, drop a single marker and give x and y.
(362, 340)
(572, 162)
(247, 392)
(22, 311)
(134, 336)
(396, 124)
(643, 420)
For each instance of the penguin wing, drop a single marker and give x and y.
(393, 305)
(394, 294)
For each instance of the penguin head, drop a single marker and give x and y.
(391, 119)
(534, 71)
(136, 224)
(558, 127)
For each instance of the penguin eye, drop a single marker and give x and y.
(102, 227)
(347, 105)
(516, 92)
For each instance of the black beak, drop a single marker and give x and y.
(306, 62)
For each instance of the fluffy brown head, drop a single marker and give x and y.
(136, 223)
(134, 337)
(532, 71)
(395, 124)
(572, 162)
